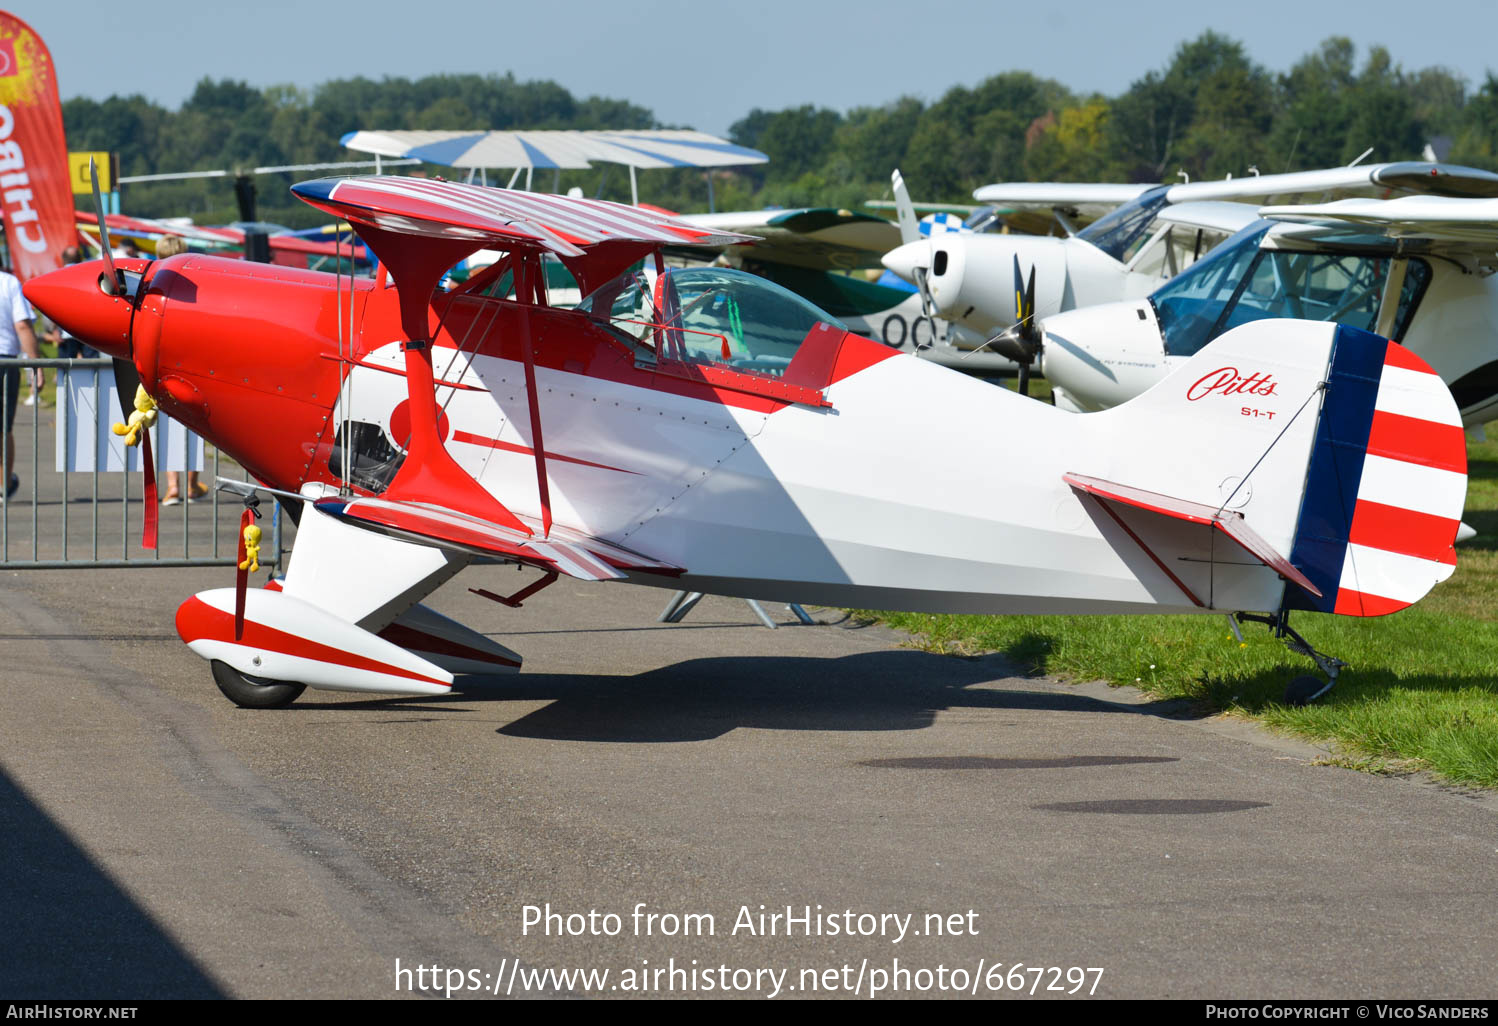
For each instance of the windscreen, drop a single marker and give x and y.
(1188, 305)
(1121, 232)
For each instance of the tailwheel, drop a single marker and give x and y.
(1305, 689)
(249, 692)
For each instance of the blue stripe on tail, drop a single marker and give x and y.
(1336, 468)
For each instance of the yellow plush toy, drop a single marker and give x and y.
(143, 417)
(251, 549)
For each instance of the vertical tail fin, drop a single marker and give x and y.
(1336, 446)
(1386, 484)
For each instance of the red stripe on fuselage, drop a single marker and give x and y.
(472, 439)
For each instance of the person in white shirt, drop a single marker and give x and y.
(16, 339)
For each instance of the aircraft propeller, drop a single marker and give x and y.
(126, 377)
(1021, 340)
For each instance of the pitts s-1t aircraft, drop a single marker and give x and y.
(705, 429)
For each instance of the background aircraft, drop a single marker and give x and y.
(1152, 234)
(1418, 269)
(309, 248)
(816, 252)
(705, 429)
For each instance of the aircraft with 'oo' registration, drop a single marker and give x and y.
(1417, 269)
(703, 428)
(997, 286)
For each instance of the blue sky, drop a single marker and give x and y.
(707, 63)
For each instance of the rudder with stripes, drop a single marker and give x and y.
(1386, 482)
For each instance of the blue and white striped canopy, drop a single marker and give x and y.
(642, 148)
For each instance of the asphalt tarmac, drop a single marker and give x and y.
(161, 842)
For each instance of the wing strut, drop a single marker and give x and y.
(528, 291)
(429, 473)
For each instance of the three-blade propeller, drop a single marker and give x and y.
(1020, 341)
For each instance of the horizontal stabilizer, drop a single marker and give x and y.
(1230, 523)
(563, 551)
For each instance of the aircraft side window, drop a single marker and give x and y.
(1339, 287)
(1416, 280)
(711, 315)
(1345, 288)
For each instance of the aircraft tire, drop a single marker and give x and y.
(254, 692)
(1305, 690)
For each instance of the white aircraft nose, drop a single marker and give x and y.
(903, 260)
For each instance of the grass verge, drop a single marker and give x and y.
(1421, 690)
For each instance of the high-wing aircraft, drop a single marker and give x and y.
(702, 428)
(1418, 269)
(1151, 234)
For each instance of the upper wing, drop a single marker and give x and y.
(502, 218)
(641, 148)
(1032, 207)
(1092, 199)
(1432, 217)
(1084, 201)
(819, 238)
(1380, 180)
(1432, 224)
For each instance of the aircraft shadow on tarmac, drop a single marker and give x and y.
(701, 699)
(70, 931)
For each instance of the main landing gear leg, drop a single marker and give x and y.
(1305, 689)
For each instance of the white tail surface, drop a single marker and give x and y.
(1341, 450)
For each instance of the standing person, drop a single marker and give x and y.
(16, 339)
(171, 245)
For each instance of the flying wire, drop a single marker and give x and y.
(1244, 480)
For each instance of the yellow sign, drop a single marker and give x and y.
(78, 172)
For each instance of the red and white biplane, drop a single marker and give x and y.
(705, 429)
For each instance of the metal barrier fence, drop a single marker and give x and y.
(53, 533)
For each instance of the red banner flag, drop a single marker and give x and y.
(36, 198)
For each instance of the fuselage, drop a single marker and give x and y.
(834, 483)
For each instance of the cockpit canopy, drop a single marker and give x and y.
(707, 315)
(1241, 281)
